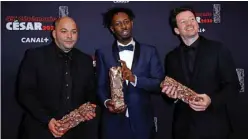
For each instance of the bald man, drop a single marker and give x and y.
(54, 80)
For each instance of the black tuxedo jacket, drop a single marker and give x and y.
(40, 82)
(214, 74)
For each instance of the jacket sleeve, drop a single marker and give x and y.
(156, 74)
(167, 70)
(91, 88)
(228, 79)
(102, 78)
(28, 88)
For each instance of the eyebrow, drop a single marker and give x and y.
(187, 18)
(67, 29)
(124, 19)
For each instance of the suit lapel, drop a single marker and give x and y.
(116, 56)
(115, 53)
(55, 61)
(183, 65)
(54, 66)
(199, 59)
(136, 55)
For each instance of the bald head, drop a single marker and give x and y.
(64, 19)
(66, 33)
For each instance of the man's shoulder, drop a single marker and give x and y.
(173, 51)
(81, 54)
(35, 54)
(211, 42)
(38, 50)
(148, 48)
(105, 49)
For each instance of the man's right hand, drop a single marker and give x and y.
(111, 107)
(170, 91)
(52, 127)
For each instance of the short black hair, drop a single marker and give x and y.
(108, 16)
(176, 11)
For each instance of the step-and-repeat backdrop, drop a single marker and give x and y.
(29, 24)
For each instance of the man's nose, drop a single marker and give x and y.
(123, 26)
(189, 22)
(69, 35)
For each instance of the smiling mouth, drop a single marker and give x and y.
(69, 42)
(189, 29)
(125, 33)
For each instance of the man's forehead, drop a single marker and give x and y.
(185, 14)
(65, 21)
(67, 25)
(120, 14)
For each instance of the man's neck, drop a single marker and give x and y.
(125, 42)
(189, 41)
(62, 48)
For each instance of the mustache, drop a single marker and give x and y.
(125, 31)
(189, 26)
(69, 40)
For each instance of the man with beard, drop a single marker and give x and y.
(54, 80)
(142, 74)
(207, 67)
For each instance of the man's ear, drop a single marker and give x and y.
(176, 31)
(112, 29)
(54, 34)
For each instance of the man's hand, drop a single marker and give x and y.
(52, 127)
(126, 72)
(170, 91)
(200, 105)
(110, 105)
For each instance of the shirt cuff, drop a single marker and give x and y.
(105, 102)
(135, 81)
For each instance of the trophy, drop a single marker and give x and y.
(116, 86)
(184, 93)
(63, 11)
(75, 117)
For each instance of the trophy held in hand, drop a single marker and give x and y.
(75, 117)
(116, 86)
(184, 93)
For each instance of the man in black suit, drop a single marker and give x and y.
(207, 67)
(54, 80)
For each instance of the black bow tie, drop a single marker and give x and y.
(128, 48)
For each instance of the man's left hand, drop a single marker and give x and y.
(200, 105)
(126, 72)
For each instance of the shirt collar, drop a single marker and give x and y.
(194, 44)
(131, 42)
(62, 54)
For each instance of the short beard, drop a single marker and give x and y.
(190, 39)
(124, 40)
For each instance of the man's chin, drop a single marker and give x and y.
(69, 46)
(191, 35)
(125, 38)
